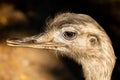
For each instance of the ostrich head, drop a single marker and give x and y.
(77, 36)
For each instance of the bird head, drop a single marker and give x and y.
(69, 33)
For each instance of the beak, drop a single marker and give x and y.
(42, 41)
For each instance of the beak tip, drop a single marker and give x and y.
(12, 41)
(8, 40)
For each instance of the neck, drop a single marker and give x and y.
(96, 69)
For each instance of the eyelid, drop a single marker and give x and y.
(67, 37)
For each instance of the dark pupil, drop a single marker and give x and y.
(69, 34)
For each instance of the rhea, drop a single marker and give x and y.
(79, 37)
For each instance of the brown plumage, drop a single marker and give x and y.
(80, 37)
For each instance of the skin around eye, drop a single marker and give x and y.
(69, 35)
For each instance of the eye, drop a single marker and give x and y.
(69, 35)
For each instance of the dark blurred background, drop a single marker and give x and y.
(28, 17)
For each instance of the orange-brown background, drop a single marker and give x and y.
(21, 18)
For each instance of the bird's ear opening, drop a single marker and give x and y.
(93, 40)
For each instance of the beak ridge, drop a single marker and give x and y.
(42, 42)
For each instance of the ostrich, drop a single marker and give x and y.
(79, 37)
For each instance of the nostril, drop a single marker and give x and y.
(32, 41)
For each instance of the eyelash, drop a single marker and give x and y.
(69, 35)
